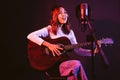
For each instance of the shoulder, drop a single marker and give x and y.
(46, 28)
(71, 31)
(49, 27)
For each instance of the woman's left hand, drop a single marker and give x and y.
(96, 50)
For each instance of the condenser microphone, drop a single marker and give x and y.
(83, 15)
(83, 11)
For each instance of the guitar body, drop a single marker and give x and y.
(38, 57)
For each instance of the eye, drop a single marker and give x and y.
(66, 14)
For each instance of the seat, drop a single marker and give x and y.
(50, 74)
(55, 77)
(53, 73)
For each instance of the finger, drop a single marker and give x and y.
(99, 43)
(96, 50)
(53, 53)
(57, 52)
(58, 47)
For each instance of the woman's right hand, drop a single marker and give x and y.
(54, 48)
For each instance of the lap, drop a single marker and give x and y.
(66, 67)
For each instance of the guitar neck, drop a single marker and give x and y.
(72, 46)
(105, 41)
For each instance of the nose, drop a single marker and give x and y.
(64, 15)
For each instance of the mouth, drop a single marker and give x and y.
(64, 18)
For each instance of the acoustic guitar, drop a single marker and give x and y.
(40, 57)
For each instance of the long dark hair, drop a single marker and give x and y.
(55, 23)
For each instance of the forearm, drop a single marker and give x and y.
(35, 39)
(45, 43)
(36, 36)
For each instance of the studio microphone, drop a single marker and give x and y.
(85, 18)
(84, 13)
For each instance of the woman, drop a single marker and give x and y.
(60, 27)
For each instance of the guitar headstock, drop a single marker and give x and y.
(107, 41)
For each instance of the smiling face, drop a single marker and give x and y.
(62, 16)
(59, 18)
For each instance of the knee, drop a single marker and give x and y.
(77, 63)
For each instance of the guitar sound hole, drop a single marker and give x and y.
(62, 46)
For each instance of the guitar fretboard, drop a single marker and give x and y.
(72, 46)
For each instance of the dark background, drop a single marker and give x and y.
(29, 15)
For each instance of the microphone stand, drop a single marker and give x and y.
(102, 55)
